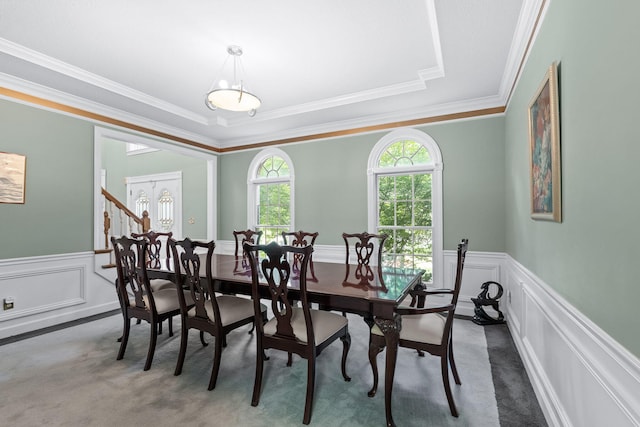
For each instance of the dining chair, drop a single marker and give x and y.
(298, 330)
(300, 239)
(154, 258)
(426, 329)
(155, 255)
(215, 314)
(136, 298)
(363, 246)
(250, 236)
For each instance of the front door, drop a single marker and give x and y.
(161, 196)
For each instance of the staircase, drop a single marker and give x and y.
(119, 221)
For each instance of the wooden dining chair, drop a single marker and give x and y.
(250, 236)
(364, 246)
(366, 250)
(427, 329)
(136, 297)
(298, 330)
(216, 315)
(300, 239)
(156, 256)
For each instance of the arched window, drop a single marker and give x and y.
(270, 194)
(405, 200)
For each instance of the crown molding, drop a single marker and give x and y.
(41, 60)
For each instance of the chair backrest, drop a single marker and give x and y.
(365, 245)
(187, 260)
(462, 253)
(250, 236)
(300, 239)
(272, 263)
(154, 253)
(133, 282)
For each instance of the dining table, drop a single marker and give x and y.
(372, 292)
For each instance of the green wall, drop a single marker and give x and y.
(194, 180)
(591, 257)
(331, 184)
(57, 216)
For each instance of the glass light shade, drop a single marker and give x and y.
(232, 99)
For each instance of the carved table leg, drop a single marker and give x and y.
(391, 330)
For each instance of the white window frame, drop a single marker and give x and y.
(435, 168)
(253, 182)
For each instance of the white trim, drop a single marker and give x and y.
(49, 290)
(252, 181)
(580, 374)
(435, 168)
(102, 135)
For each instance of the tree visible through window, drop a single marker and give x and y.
(403, 176)
(272, 186)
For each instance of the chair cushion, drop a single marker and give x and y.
(325, 324)
(158, 284)
(166, 300)
(424, 328)
(232, 309)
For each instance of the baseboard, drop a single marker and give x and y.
(582, 377)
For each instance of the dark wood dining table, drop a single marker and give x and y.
(372, 292)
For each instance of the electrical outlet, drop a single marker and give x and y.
(7, 303)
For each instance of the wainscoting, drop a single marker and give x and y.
(582, 377)
(50, 290)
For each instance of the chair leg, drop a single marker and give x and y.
(152, 345)
(159, 328)
(444, 365)
(346, 345)
(216, 363)
(311, 382)
(184, 335)
(376, 345)
(124, 339)
(204, 343)
(170, 326)
(289, 359)
(453, 363)
(257, 385)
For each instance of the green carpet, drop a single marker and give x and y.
(70, 377)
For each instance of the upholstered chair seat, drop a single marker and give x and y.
(232, 309)
(325, 325)
(425, 328)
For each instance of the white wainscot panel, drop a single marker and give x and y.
(479, 267)
(581, 376)
(39, 290)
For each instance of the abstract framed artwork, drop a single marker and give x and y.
(544, 149)
(12, 177)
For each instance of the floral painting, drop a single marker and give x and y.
(544, 145)
(12, 177)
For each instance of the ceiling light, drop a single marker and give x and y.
(231, 94)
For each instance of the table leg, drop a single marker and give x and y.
(391, 330)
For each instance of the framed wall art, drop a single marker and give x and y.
(544, 149)
(12, 177)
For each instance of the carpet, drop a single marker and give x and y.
(71, 377)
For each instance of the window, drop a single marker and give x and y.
(405, 202)
(270, 192)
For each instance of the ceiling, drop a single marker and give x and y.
(318, 67)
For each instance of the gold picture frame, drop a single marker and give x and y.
(544, 150)
(12, 178)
